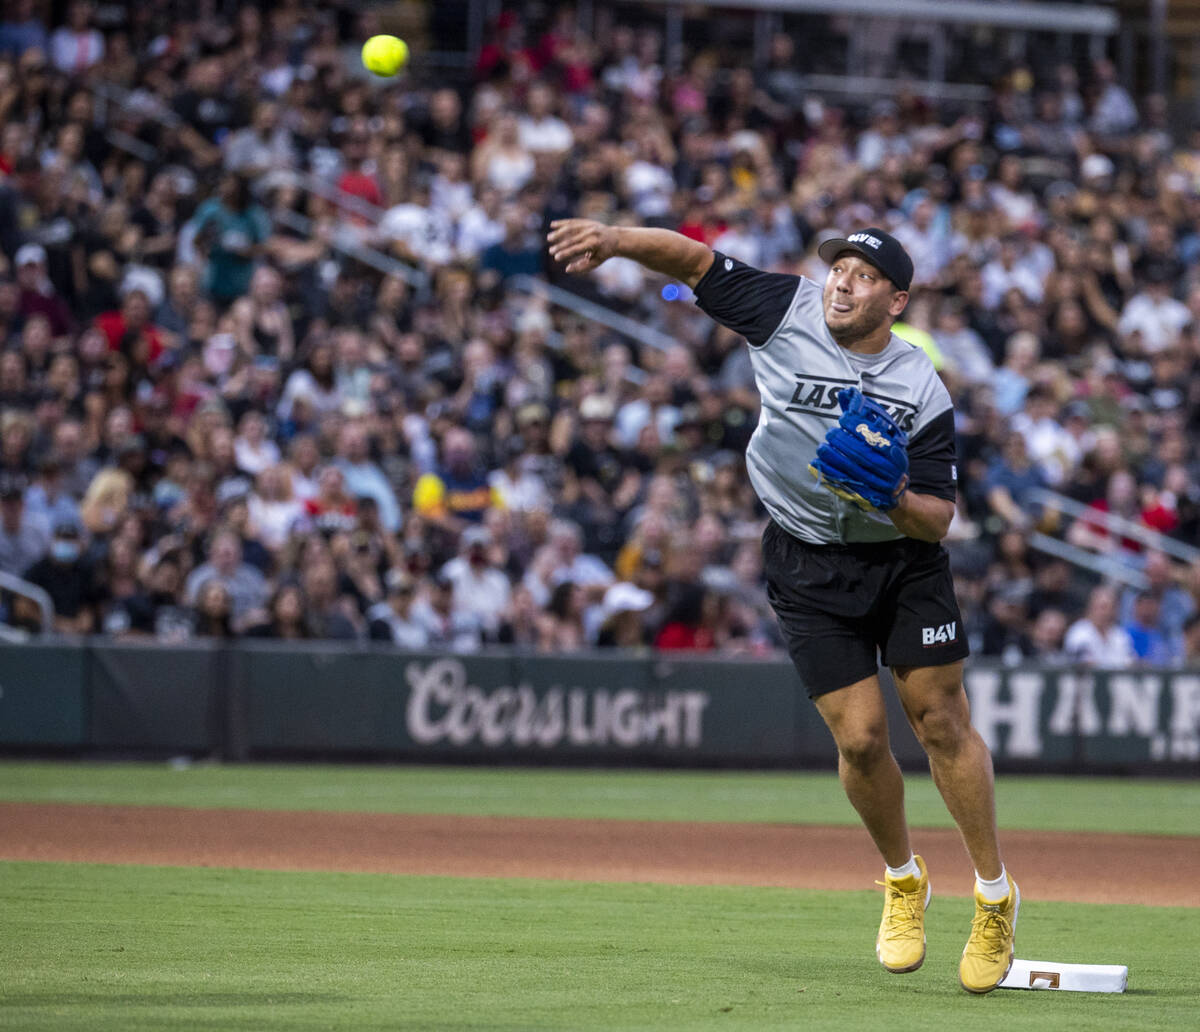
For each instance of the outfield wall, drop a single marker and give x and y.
(258, 700)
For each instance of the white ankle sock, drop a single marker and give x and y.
(993, 891)
(909, 869)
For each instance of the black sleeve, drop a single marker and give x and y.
(932, 463)
(748, 301)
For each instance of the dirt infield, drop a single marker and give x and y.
(1086, 868)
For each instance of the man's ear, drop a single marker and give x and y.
(899, 303)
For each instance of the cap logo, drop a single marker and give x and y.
(865, 238)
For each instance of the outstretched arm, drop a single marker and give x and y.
(584, 244)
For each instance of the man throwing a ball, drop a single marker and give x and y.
(853, 459)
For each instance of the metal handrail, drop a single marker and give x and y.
(1104, 566)
(1116, 524)
(622, 324)
(336, 195)
(11, 582)
(377, 260)
(1010, 14)
(874, 86)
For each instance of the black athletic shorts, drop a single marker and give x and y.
(838, 604)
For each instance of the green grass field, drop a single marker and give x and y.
(1076, 804)
(101, 947)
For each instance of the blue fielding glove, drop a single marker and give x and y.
(863, 457)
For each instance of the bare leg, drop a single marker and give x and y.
(866, 766)
(937, 709)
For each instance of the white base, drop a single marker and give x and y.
(1076, 978)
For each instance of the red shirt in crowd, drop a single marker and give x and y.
(681, 636)
(114, 327)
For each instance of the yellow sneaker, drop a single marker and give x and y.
(900, 946)
(989, 951)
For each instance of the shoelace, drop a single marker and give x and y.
(990, 933)
(904, 912)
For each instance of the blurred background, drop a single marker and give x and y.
(283, 355)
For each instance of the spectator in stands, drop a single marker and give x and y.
(1049, 630)
(253, 449)
(393, 619)
(37, 295)
(129, 330)
(273, 508)
(479, 587)
(446, 626)
(524, 624)
(458, 493)
(518, 252)
(263, 324)
(1096, 639)
(330, 614)
(1009, 483)
(1152, 320)
(21, 30)
(24, 536)
(285, 616)
(245, 585)
(1174, 604)
(1191, 642)
(364, 477)
(1113, 110)
(48, 497)
(622, 621)
(1047, 442)
(62, 574)
(562, 626)
(231, 230)
(1150, 645)
(1120, 500)
(213, 611)
(76, 47)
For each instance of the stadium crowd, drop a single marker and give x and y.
(215, 420)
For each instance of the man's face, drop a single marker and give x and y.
(858, 298)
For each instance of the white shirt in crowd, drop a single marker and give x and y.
(1050, 446)
(424, 231)
(622, 278)
(450, 196)
(651, 188)
(524, 493)
(273, 520)
(254, 458)
(1158, 320)
(74, 52)
(477, 231)
(998, 281)
(548, 135)
(1086, 643)
(481, 591)
(634, 415)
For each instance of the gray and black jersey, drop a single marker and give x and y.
(799, 369)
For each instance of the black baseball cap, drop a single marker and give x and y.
(878, 247)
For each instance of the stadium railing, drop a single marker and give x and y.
(1116, 525)
(13, 585)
